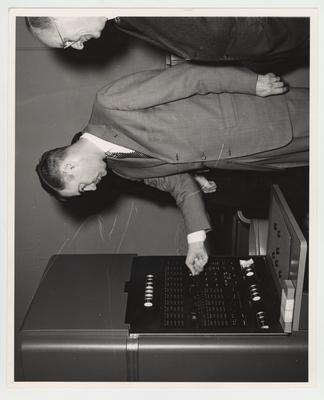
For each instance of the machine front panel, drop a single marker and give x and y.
(225, 298)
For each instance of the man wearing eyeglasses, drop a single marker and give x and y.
(156, 126)
(207, 39)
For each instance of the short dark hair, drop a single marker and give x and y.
(39, 23)
(48, 169)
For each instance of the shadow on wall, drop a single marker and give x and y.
(111, 190)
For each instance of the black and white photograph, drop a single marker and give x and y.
(162, 171)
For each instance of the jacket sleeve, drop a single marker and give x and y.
(150, 88)
(188, 197)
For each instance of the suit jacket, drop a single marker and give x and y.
(186, 118)
(222, 38)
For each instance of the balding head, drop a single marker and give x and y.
(71, 170)
(49, 169)
(63, 32)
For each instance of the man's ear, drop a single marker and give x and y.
(78, 45)
(67, 168)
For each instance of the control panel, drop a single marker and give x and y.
(231, 295)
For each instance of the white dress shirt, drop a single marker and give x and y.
(105, 145)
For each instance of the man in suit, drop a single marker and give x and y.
(156, 126)
(208, 39)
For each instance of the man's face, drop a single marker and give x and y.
(82, 175)
(71, 31)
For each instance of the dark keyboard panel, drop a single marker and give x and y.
(225, 298)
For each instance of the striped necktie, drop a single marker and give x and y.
(132, 154)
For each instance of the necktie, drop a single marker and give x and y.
(133, 154)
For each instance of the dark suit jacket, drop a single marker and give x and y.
(186, 118)
(222, 38)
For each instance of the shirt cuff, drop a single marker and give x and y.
(199, 236)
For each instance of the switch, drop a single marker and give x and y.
(261, 320)
(254, 292)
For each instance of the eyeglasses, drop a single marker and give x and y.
(65, 43)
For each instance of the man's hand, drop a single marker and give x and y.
(209, 187)
(197, 257)
(205, 185)
(269, 85)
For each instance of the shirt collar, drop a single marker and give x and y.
(100, 143)
(104, 145)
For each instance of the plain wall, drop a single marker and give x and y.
(54, 95)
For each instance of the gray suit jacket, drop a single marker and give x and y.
(186, 118)
(191, 113)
